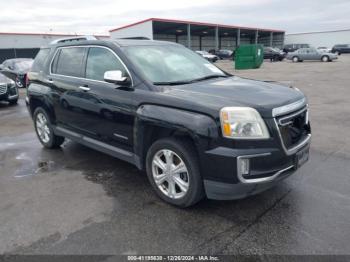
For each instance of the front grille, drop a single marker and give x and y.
(293, 127)
(3, 89)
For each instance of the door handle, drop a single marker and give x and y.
(50, 81)
(84, 88)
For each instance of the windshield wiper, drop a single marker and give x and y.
(171, 83)
(189, 81)
(206, 78)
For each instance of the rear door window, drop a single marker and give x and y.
(69, 62)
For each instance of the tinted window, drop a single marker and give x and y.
(101, 60)
(70, 62)
(40, 59)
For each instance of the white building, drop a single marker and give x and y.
(14, 45)
(316, 39)
(195, 35)
(199, 35)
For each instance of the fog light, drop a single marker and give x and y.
(244, 166)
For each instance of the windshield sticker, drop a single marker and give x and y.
(213, 68)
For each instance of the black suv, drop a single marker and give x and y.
(273, 54)
(8, 90)
(341, 49)
(196, 130)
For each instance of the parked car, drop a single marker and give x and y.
(311, 54)
(273, 54)
(293, 47)
(17, 69)
(196, 130)
(208, 56)
(8, 90)
(341, 49)
(225, 54)
(324, 49)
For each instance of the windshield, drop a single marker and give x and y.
(24, 65)
(163, 64)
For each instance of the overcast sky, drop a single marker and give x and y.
(99, 16)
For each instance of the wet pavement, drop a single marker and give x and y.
(78, 201)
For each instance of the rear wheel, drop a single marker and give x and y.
(173, 171)
(44, 130)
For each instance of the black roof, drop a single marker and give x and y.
(133, 42)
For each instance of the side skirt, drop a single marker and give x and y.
(99, 146)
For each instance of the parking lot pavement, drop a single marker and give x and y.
(79, 201)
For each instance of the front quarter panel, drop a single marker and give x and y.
(201, 128)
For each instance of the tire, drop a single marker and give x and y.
(295, 59)
(44, 131)
(191, 190)
(19, 83)
(325, 58)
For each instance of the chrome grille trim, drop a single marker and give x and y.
(296, 147)
(278, 111)
(3, 89)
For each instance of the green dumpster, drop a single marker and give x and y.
(249, 56)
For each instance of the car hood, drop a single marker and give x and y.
(235, 91)
(12, 74)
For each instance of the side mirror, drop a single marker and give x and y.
(116, 77)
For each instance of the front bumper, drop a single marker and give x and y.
(237, 169)
(267, 168)
(225, 191)
(9, 97)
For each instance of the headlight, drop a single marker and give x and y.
(242, 123)
(11, 83)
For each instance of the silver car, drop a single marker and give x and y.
(311, 54)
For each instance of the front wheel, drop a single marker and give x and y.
(173, 171)
(295, 59)
(44, 130)
(18, 83)
(325, 58)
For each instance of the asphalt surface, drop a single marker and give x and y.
(79, 201)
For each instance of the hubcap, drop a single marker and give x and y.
(42, 128)
(170, 174)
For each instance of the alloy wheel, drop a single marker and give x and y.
(170, 174)
(42, 127)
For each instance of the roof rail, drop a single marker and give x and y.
(136, 38)
(74, 38)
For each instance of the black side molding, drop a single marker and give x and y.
(99, 146)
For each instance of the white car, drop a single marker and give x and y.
(208, 56)
(311, 54)
(324, 49)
